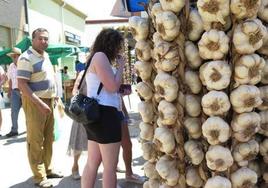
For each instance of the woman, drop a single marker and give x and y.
(105, 136)
(3, 78)
(78, 137)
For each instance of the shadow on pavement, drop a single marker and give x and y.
(14, 140)
(139, 161)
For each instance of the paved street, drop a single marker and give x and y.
(14, 168)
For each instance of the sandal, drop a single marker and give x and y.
(119, 170)
(134, 178)
(76, 175)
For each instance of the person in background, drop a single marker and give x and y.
(78, 136)
(36, 81)
(65, 75)
(13, 91)
(79, 66)
(104, 136)
(3, 79)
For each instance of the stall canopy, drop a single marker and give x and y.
(55, 51)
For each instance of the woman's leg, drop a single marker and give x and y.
(127, 149)
(109, 153)
(75, 167)
(92, 165)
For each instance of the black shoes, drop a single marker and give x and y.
(12, 134)
(54, 175)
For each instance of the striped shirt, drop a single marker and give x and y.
(38, 70)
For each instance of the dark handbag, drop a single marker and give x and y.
(84, 109)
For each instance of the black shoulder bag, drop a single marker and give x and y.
(84, 109)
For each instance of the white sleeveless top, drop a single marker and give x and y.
(105, 97)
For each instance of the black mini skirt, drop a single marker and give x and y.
(107, 129)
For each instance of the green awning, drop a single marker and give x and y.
(55, 51)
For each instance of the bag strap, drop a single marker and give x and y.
(84, 74)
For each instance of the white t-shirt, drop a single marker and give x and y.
(12, 75)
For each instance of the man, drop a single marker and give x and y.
(79, 66)
(13, 91)
(36, 81)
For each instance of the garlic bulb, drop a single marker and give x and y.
(213, 10)
(264, 97)
(194, 151)
(167, 65)
(167, 25)
(193, 81)
(146, 111)
(244, 152)
(143, 69)
(245, 98)
(150, 171)
(147, 131)
(139, 27)
(166, 167)
(193, 127)
(245, 126)
(219, 158)
(264, 49)
(264, 150)
(215, 75)
(264, 123)
(152, 183)
(216, 130)
(218, 25)
(214, 45)
(264, 75)
(248, 69)
(245, 8)
(192, 105)
(172, 5)
(243, 177)
(195, 25)
(218, 182)
(144, 90)
(164, 140)
(192, 55)
(166, 86)
(263, 10)
(255, 166)
(193, 178)
(168, 113)
(215, 103)
(249, 36)
(149, 151)
(143, 50)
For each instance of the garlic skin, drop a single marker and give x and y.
(139, 27)
(249, 36)
(143, 69)
(213, 10)
(166, 86)
(217, 25)
(164, 140)
(149, 151)
(167, 65)
(192, 55)
(172, 5)
(219, 158)
(194, 151)
(263, 10)
(192, 105)
(150, 171)
(147, 131)
(215, 75)
(255, 166)
(214, 45)
(193, 127)
(195, 25)
(243, 177)
(264, 97)
(193, 178)
(245, 8)
(218, 182)
(167, 25)
(168, 113)
(264, 75)
(144, 90)
(146, 111)
(143, 50)
(245, 98)
(215, 103)
(244, 152)
(245, 125)
(248, 69)
(264, 122)
(152, 183)
(167, 169)
(216, 130)
(193, 81)
(264, 150)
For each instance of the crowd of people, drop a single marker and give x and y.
(33, 86)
